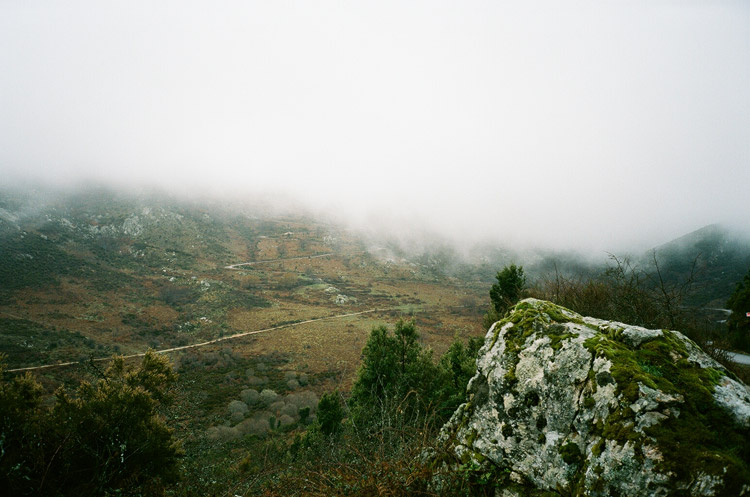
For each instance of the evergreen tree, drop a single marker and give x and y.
(397, 377)
(457, 366)
(330, 413)
(511, 282)
(509, 289)
(739, 322)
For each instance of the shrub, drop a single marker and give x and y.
(237, 406)
(508, 290)
(249, 396)
(739, 322)
(398, 383)
(330, 413)
(292, 384)
(107, 437)
(268, 396)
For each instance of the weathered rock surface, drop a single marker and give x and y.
(572, 405)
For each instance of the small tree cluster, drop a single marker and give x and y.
(106, 437)
(330, 413)
(394, 374)
(398, 382)
(373, 443)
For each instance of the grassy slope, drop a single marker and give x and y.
(123, 274)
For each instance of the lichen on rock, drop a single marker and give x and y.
(581, 406)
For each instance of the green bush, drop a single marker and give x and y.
(399, 384)
(330, 413)
(397, 379)
(511, 282)
(509, 289)
(106, 437)
(739, 322)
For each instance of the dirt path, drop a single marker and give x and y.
(201, 344)
(252, 263)
(221, 339)
(209, 342)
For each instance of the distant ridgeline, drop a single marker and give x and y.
(721, 260)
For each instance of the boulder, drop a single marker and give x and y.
(563, 404)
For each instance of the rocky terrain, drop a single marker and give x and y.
(573, 405)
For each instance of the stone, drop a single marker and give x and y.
(573, 405)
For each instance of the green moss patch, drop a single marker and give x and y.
(527, 316)
(570, 453)
(697, 437)
(704, 438)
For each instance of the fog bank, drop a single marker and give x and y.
(582, 125)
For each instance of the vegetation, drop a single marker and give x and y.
(101, 272)
(505, 293)
(398, 402)
(642, 295)
(739, 320)
(396, 378)
(330, 414)
(703, 436)
(106, 437)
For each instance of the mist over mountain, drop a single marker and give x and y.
(526, 126)
(314, 211)
(715, 257)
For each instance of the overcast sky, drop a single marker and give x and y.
(599, 124)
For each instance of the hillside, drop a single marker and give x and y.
(721, 258)
(286, 302)
(261, 313)
(99, 272)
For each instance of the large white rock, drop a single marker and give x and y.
(582, 406)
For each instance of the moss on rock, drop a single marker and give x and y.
(591, 407)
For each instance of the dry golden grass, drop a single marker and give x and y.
(296, 290)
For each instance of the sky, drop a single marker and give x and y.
(594, 125)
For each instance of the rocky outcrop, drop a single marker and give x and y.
(563, 404)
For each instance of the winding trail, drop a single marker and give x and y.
(215, 340)
(303, 257)
(209, 342)
(220, 339)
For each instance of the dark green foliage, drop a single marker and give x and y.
(177, 296)
(399, 400)
(456, 367)
(304, 414)
(330, 413)
(33, 261)
(509, 289)
(396, 378)
(106, 437)
(21, 431)
(511, 282)
(398, 382)
(739, 322)
(26, 343)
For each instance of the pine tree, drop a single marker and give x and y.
(739, 322)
